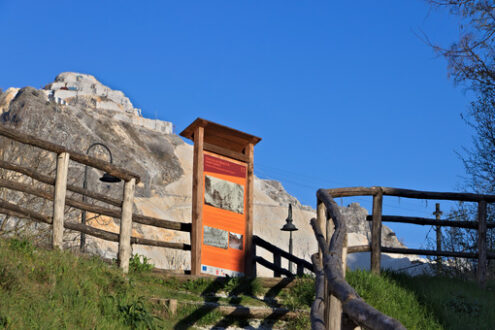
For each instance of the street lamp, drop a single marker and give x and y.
(105, 178)
(290, 227)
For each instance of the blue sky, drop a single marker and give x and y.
(342, 93)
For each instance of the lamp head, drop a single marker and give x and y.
(109, 178)
(289, 226)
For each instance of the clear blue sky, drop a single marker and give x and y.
(342, 93)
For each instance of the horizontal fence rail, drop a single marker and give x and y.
(432, 222)
(408, 193)
(56, 193)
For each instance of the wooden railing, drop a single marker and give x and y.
(278, 253)
(56, 193)
(481, 224)
(333, 294)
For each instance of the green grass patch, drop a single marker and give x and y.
(42, 289)
(455, 303)
(388, 296)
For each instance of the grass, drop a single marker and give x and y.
(428, 302)
(42, 289)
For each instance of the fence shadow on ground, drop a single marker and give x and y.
(234, 288)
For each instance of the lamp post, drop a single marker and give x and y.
(290, 227)
(105, 178)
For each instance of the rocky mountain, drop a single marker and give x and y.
(76, 110)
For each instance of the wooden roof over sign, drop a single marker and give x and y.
(221, 136)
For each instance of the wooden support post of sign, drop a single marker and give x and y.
(376, 233)
(59, 199)
(250, 252)
(197, 200)
(223, 148)
(482, 264)
(126, 225)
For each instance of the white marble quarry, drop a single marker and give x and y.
(71, 88)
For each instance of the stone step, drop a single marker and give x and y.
(239, 311)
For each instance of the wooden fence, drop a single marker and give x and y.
(333, 294)
(278, 253)
(56, 192)
(481, 224)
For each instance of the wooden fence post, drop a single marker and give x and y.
(335, 318)
(59, 200)
(277, 260)
(438, 230)
(197, 201)
(376, 233)
(334, 306)
(482, 243)
(126, 225)
(321, 218)
(300, 269)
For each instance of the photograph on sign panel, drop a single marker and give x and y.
(235, 241)
(215, 237)
(224, 194)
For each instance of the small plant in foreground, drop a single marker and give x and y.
(136, 314)
(139, 263)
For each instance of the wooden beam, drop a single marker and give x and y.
(78, 157)
(126, 225)
(376, 233)
(409, 193)
(249, 254)
(358, 248)
(59, 200)
(482, 257)
(197, 201)
(317, 314)
(27, 213)
(226, 152)
(469, 255)
(430, 222)
(169, 245)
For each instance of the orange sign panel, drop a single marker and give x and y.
(224, 216)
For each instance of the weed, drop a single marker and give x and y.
(198, 286)
(236, 286)
(301, 322)
(136, 315)
(139, 263)
(21, 245)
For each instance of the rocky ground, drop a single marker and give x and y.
(164, 162)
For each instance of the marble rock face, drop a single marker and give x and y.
(224, 194)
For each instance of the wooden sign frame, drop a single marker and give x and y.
(231, 144)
